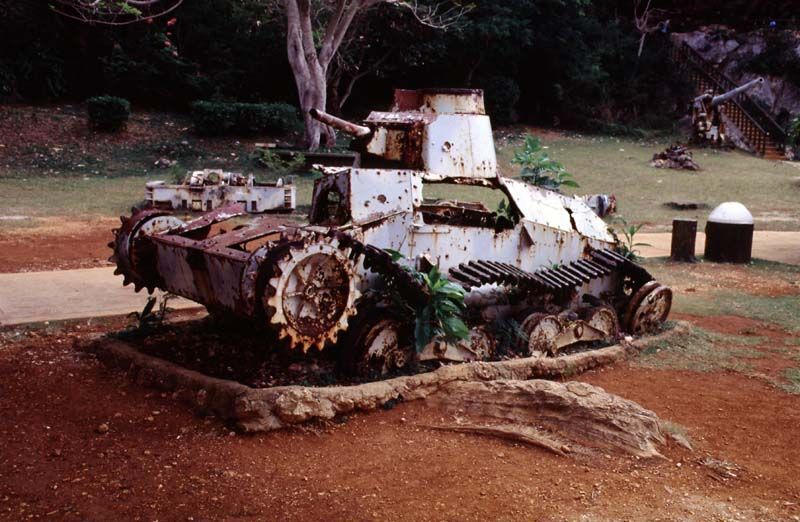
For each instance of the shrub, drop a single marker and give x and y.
(793, 131)
(108, 113)
(220, 118)
(213, 118)
(539, 169)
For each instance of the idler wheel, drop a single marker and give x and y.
(648, 308)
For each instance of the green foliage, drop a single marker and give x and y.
(441, 316)
(555, 61)
(508, 334)
(278, 166)
(502, 94)
(539, 169)
(212, 118)
(793, 131)
(792, 384)
(108, 113)
(628, 247)
(505, 210)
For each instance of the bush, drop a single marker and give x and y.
(793, 131)
(220, 118)
(108, 113)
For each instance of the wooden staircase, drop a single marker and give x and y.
(759, 130)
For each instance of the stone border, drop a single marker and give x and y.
(265, 409)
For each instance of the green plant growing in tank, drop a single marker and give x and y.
(505, 210)
(441, 315)
(628, 247)
(539, 169)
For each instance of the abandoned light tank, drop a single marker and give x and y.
(549, 266)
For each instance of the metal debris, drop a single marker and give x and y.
(204, 190)
(674, 157)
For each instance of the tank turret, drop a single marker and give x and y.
(443, 132)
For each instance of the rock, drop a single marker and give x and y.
(102, 428)
(731, 50)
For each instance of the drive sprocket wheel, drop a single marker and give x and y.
(131, 255)
(648, 308)
(312, 291)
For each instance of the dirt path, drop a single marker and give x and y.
(57, 245)
(783, 247)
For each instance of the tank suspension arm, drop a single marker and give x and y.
(722, 98)
(359, 131)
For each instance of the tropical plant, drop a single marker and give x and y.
(539, 169)
(441, 315)
(629, 230)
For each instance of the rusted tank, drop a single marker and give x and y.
(549, 265)
(204, 190)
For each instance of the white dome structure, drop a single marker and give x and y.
(731, 213)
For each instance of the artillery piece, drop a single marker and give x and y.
(708, 109)
(552, 267)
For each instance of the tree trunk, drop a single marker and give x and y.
(312, 96)
(310, 73)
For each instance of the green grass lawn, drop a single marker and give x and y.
(600, 164)
(770, 190)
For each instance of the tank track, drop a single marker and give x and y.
(560, 279)
(396, 277)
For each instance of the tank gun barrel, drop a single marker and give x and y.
(722, 98)
(359, 131)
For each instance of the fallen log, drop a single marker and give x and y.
(561, 417)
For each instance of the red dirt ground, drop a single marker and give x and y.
(81, 245)
(159, 462)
